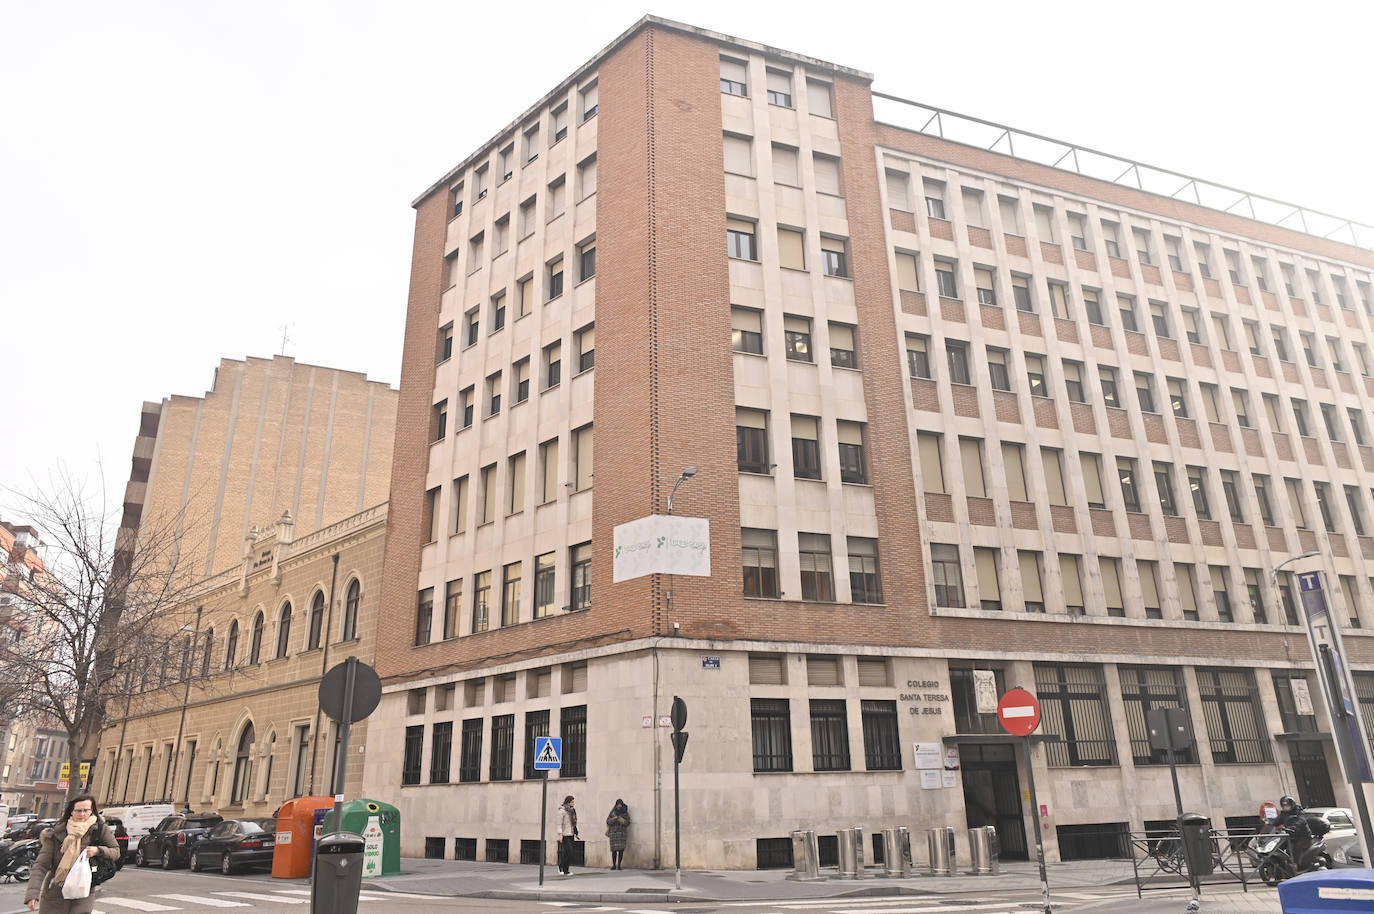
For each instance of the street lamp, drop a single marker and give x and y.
(686, 475)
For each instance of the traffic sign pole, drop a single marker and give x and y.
(1035, 818)
(345, 722)
(1019, 714)
(543, 825)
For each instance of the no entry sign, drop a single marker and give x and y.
(1018, 712)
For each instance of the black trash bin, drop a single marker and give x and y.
(338, 874)
(1195, 832)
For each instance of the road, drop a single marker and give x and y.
(180, 890)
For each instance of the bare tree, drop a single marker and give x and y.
(107, 626)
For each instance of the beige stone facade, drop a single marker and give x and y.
(1056, 430)
(250, 736)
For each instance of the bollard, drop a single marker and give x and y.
(904, 840)
(859, 871)
(941, 845)
(896, 859)
(844, 852)
(984, 850)
(805, 856)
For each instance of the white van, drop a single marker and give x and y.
(138, 820)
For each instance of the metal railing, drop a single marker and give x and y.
(1159, 863)
(1104, 166)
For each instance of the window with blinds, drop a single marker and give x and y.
(971, 456)
(932, 466)
(989, 589)
(1033, 594)
(1072, 577)
(818, 98)
(790, 249)
(734, 77)
(1091, 467)
(1149, 588)
(823, 671)
(575, 676)
(785, 168)
(1111, 585)
(874, 672)
(898, 190)
(908, 277)
(843, 353)
(1187, 590)
(766, 669)
(827, 169)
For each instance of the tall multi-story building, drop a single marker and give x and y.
(959, 419)
(277, 481)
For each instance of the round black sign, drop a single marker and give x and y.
(367, 691)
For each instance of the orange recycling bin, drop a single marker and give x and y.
(296, 836)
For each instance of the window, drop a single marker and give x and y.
(1223, 332)
(1159, 317)
(588, 94)
(882, 747)
(553, 365)
(515, 473)
(1164, 484)
(586, 348)
(1142, 245)
(1078, 231)
(1362, 356)
(829, 735)
(843, 353)
(1144, 391)
(1187, 590)
(481, 601)
(1093, 307)
(1309, 348)
(827, 172)
(586, 260)
(502, 747)
(446, 342)
(1300, 417)
(1051, 461)
(971, 457)
(283, 631)
(1262, 496)
(751, 440)
(475, 244)
(1073, 381)
(520, 380)
(424, 616)
(918, 355)
(739, 155)
(548, 471)
(935, 198)
(864, 583)
(739, 239)
(553, 274)
(989, 587)
(1074, 706)
(1353, 501)
(853, 463)
(1110, 235)
(536, 725)
(759, 556)
(908, 275)
(734, 78)
(1197, 483)
(1230, 705)
(1145, 689)
(1106, 376)
(1220, 595)
(1130, 491)
(956, 353)
(806, 457)
(946, 574)
(1044, 223)
(1333, 424)
(255, 644)
(984, 284)
(440, 752)
(746, 333)
(438, 421)
(352, 600)
(1203, 254)
(1174, 247)
(1178, 400)
(581, 558)
(470, 326)
(531, 143)
(771, 726)
(572, 726)
(1090, 467)
(1010, 210)
(453, 598)
(1149, 588)
(944, 279)
(527, 223)
(493, 392)
(797, 336)
(997, 369)
(410, 759)
(479, 181)
(316, 624)
(470, 753)
(560, 122)
(1071, 574)
(898, 190)
(501, 236)
(1295, 501)
(582, 458)
(1035, 374)
(973, 207)
(1254, 590)
(1111, 585)
(932, 469)
(1125, 305)
(1059, 300)
(817, 579)
(1323, 492)
(1333, 348)
(834, 261)
(1020, 293)
(498, 311)
(791, 253)
(456, 200)
(779, 87)
(818, 97)
(543, 585)
(1190, 326)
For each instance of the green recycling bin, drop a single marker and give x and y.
(380, 825)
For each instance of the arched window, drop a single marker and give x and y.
(209, 652)
(243, 767)
(214, 770)
(316, 621)
(231, 645)
(255, 646)
(350, 619)
(284, 631)
(267, 763)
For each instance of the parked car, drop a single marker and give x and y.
(139, 819)
(170, 843)
(236, 843)
(1345, 852)
(19, 819)
(1340, 820)
(121, 838)
(31, 829)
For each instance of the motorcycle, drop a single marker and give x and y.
(16, 859)
(1272, 853)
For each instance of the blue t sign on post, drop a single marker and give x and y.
(548, 753)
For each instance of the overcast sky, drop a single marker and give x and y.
(181, 180)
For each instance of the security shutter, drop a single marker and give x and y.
(823, 671)
(873, 672)
(765, 669)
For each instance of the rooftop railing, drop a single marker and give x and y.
(1104, 166)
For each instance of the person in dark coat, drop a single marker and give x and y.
(71, 841)
(617, 826)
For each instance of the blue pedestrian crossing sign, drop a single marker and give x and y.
(548, 753)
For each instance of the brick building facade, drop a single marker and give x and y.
(1057, 430)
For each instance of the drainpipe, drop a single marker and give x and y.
(181, 726)
(324, 668)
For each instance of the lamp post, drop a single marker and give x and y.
(1338, 690)
(686, 475)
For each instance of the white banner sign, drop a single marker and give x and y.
(662, 544)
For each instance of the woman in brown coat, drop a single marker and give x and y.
(72, 840)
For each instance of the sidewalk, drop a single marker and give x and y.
(521, 882)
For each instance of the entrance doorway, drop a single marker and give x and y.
(1313, 777)
(992, 794)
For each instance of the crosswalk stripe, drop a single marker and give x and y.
(256, 896)
(137, 905)
(201, 899)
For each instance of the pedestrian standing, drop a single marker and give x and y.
(71, 841)
(617, 825)
(567, 834)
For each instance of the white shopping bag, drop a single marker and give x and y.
(78, 884)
